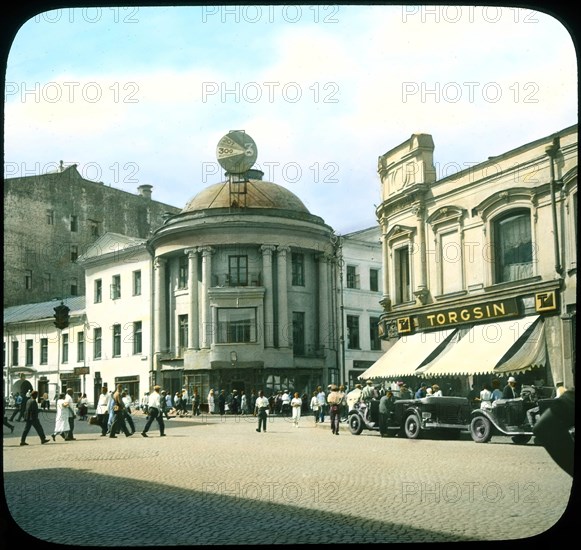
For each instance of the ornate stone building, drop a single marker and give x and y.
(480, 267)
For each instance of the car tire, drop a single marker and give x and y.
(412, 427)
(481, 429)
(521, 439)
(355, 424)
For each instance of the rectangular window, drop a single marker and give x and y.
(352, 277)
(116, 340)
(298, 269)
(29, 352)
(44, 351)
(402, 275)
(183, 272)
(46, 282)
(513, 247)
(74, 252)
(137, 338)
(98, 291)
(238, 270)
(352, 332)
(74, 224)
(50, 217)
(94, 228)
(65, 357)
(15, 353)
(374, 333)
(80, 346)
(236, 325)
(137, 283)
(182, 331)
(298, 333)
(451, 262)
(374, 280)
(74, 286)
(28, 279)
(116, 287)
(97, 341)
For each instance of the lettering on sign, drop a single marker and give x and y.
(469, 314)
(546, 301)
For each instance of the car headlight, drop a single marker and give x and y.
(426, 415)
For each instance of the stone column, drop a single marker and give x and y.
(324, 305)
(284, 325)
(267, 251)
(207, 328)
(386, 299)
(159, 320)
(421, 292)
(193, 320)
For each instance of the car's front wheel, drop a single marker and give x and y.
(355, 424)
(412, 426)
(481, 429)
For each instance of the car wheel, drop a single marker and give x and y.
(521, 439)
(355, 424)
(481, 429)
(412, 427)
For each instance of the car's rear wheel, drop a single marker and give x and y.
(412, 427)
(521, 439)
(481, 429)
(355, 424)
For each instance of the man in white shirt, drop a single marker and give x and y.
(154, 412)
(261, 408)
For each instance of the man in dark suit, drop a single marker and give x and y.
(509, 391)
(31, 419)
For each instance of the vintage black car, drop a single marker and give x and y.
(512, 417)
(413, 417)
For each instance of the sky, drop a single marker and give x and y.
(142, 95)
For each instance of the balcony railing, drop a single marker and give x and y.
(227, 280)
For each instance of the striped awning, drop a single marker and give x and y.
(504, 347)
(408, 355)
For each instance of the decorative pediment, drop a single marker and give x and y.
(516, 196)
(400, 231)
(446, 215)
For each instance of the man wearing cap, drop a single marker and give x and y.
(421, 391)
(405, 392)
(154, 413)
(334, 399)
(509, 391)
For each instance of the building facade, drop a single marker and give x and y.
(242, 289)
(361, 291)
(52, 219)
(480, 267)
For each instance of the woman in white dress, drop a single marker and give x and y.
(61, 424)
(211, 401)
(296, 403)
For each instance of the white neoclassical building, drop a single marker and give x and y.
(244, 292)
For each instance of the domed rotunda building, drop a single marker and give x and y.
(244, 292)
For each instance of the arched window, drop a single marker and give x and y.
(513, 247)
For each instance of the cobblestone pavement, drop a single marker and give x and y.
(217, 481)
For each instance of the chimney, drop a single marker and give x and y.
(145, 191)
